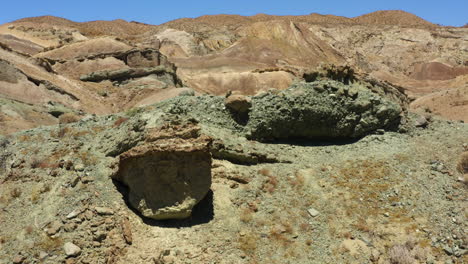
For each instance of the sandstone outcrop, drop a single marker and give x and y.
(168, 175)
(124, 74)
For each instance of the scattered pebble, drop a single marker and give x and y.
(313, 212)
(103, 210)
(71, 250)
(73, 214)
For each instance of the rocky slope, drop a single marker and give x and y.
(368, 189)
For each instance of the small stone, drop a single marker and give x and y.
(96, 223)
(70, 261)
(73, 214)
(127, 231)
(18, 259)
(387, 214)
(313, 212)
(448, 250)
(96, 244)
(79, 167)
(109, 222)
(43, 255)
(69, 227)
(54, 228)
(75, 181)
(375, 255)
(421, 121)
(86, 179)
(100, 236)
(71, 250)
(103, 210)
(88, 215)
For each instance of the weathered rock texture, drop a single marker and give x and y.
(168, 175)
(325, 109)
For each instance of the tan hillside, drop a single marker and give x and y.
(392, 17)
(234, 139)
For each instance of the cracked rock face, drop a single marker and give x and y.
(168, 176)
(322, 109)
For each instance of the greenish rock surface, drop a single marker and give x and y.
(324, 109)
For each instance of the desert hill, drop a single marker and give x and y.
(218, 53)
(233, 139)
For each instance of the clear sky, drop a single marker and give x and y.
(445, 12)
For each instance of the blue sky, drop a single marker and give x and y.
(445, 12)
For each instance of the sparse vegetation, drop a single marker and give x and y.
(37, 190)
(15, 192)
(399, 254)
(270, 184)
(246, 215)
(133, 111)
(248, 243)
(463, 163)
(120, 121)
(68, 118)
(63, 131)
(297, 181)
(29, 229)
(49, 244)
(87, 158)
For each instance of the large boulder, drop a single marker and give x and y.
(169, 174)
(321, 109)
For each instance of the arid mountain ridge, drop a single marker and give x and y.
(219, 53)
(230, 139)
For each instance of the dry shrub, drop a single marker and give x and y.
(278, 232)
(29, 229)
(304, 227)
(120, 121)
(265, 172)
(87, 158)
(35, 194)
(463, 163)
(63, 131)
(37, 191)
(77, 134)
(408, 252)
(15, 192)
(270, 184)
(49, 244)
(246, 215)
(362, 226)
(248, 243)
(24, 138)
(43, 164)
(298, 181)
(399, 254)
(68, 118)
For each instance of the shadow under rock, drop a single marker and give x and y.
(202, 213)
